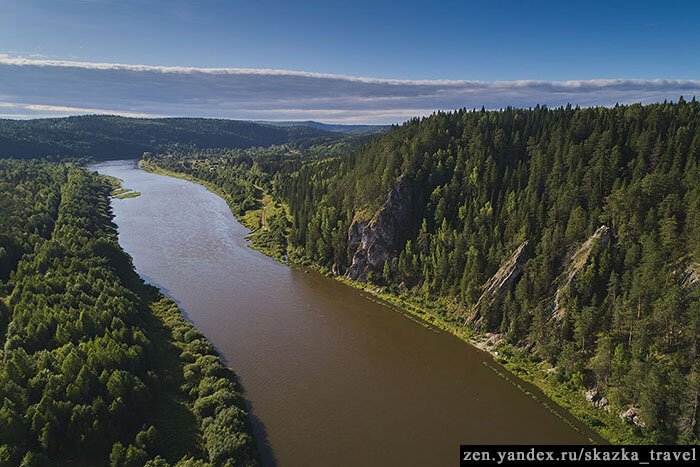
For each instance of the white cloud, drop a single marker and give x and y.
(38, 110)
(30, 61)
(81, 110)
(42, 87)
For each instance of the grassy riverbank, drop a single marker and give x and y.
(118, 191)
(252, 219)
(437, 313)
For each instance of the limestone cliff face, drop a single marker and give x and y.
(498, 286)
(376, 239)
(691, 275)
(576, 263)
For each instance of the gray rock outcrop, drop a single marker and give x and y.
(691, 275)
(576, 263)
(376, 239)
(633, 416)
(595, 398)
(498, 286)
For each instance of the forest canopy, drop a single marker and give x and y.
(111, 137)
(597, 208)
(97, 367)
(620, 313)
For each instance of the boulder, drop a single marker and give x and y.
(594, 397)
(633, 416)
(591, 395)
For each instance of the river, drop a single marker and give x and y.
(332, 377)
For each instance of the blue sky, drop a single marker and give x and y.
(466, 41)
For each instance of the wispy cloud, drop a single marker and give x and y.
(38, 110)
(41, 87)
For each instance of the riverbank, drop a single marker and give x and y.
(440, 314)
(252, 220)
(521, 363)
(118, 190)
(305, 346)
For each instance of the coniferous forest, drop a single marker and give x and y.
(349, 233)
(569, 236)
(112, 137)
(482, 183)
(98, 368)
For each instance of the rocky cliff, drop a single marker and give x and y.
(376, 240)
(498, 286)
(576, 263)
(691, 275)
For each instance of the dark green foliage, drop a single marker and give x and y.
(484, 182)
(241, 175)
(344, 129)
(112, 137)
(212, 390)
(88, 373)
(237, 172)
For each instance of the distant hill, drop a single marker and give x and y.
(111, 137)
(345, 129)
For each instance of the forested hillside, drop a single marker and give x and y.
(112, 137)
(246, 177)
(573, 233)
(96, 367)
(569, 237)
(337, 128)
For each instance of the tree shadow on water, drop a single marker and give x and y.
(267, 455)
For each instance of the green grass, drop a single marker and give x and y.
(252, 219)
(128, 194)
(153, 168)
(113, 181)
(118, 191)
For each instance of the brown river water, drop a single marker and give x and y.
(332, 377)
